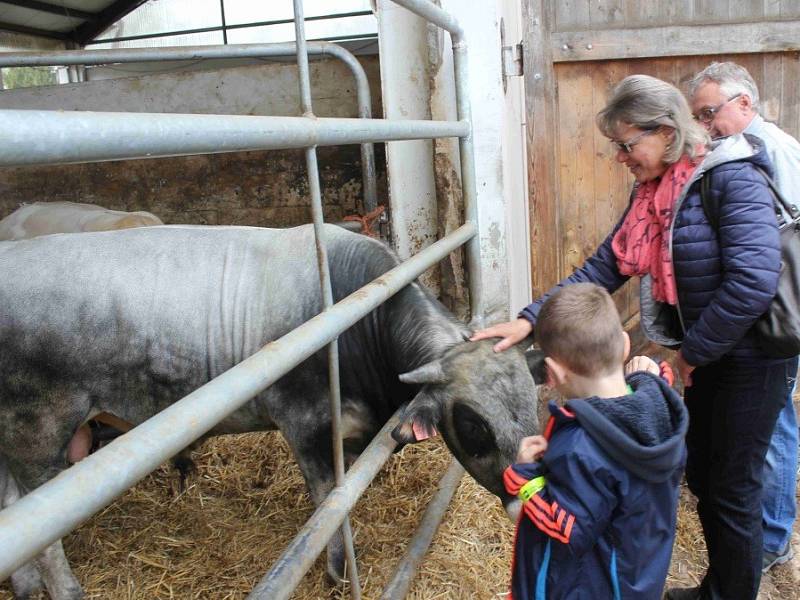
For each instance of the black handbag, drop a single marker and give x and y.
(778, 329)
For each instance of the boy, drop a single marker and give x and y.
(599, 506)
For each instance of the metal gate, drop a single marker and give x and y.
(49, 137)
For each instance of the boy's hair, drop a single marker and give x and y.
(579, 326)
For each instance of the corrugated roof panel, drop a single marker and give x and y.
(247, 11)
(17, 15)
(165, 16)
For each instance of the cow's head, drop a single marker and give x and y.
(481, 401)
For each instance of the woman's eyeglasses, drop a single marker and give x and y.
(707, 114)
(627, 147)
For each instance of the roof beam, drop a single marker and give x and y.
(61, 11)
(52, 35)
(105, 18)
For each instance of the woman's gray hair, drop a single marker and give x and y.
(649, 103)
(732, 79)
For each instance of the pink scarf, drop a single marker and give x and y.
(641, 244)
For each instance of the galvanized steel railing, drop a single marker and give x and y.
(103, 57)
(35, 137)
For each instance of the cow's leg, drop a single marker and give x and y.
(51, 567)
(309, 435)
(36, 444)
(309, 438)
(25, 581)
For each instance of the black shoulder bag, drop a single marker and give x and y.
(778, 329)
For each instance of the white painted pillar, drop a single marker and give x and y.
(403, 42)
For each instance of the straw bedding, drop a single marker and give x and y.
(247, 500)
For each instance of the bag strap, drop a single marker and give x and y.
(711, 204)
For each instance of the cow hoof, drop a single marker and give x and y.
(26, 582)
(336, 560)
(186, 467)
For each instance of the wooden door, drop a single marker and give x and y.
(575, 51)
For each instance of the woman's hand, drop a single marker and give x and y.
(512, 333)
(642, 363)
(684, 369)
(531, 449)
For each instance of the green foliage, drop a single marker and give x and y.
(20, 77)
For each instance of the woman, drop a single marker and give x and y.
(702, 289)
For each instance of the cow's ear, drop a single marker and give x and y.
(419, 420)
(536, 365)
(431, 372)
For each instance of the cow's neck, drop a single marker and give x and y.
(420, 328)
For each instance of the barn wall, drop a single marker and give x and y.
(247, 188)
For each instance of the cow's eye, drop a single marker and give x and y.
(474, 434)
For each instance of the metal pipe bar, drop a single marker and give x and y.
(222, 21)
(304, 83)
(99, 57)
(401, 582)
(466, 151)
(428, 10)
(146, 36)
(120, 55)
(432, 13)
(286, 573)
(58, 137)
(54, 509)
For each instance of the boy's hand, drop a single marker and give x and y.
(512, 333)
(642, 363)
(531, 449)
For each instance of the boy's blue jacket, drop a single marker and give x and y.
(604, 522)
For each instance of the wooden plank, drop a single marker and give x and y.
(790, 101)
(770, 86)
(541, 144)
(746, 10)
(789, 9)
(676, 40)
(572, 14)
(607, 13)
(710, 11)
(676, 12)
(772, 8)
(642, 12)
(576, 166)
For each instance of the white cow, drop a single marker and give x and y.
(44, 218)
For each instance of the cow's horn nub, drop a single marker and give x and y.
(431, 372)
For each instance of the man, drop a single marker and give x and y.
(724, 98)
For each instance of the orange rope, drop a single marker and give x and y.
(368, 220)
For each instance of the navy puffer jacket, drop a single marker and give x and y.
(726, 278)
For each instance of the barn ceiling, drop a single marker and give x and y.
(78, 21)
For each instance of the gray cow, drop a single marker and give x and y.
(128, 322)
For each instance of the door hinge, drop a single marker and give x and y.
(512, 61)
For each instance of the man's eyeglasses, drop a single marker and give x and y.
(707, 114)
(627, 147)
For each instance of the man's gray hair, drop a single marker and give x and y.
(649, 103)
(732, 79)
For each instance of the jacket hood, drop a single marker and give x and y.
(741, 146)
(644, 431)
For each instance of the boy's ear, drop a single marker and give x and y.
(556, 372)
(535, 360)
(626, 352)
